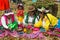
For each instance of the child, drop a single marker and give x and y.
(20, 13)
(20, 17)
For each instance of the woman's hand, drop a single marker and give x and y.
(51, 26)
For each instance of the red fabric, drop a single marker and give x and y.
(4, 4)
(20, 13)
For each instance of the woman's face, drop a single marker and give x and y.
(31, 13)
(41, 14)
(9, 16)
(20, 8)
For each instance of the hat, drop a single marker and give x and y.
(20, 5)
(9, 13)
(43, 9)
(31, 8)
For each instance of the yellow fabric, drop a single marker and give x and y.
(20, 19)
(53, 20)
(47, 23)
(25, 30)
(38, 24)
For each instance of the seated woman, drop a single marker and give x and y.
(30, 18)
(46, 20)
(9, 23)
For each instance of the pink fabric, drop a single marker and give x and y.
(41, 36)
(34, 35)
(20, 26)
(50, 33)
(36, 29)
(9, 33)
(57, 29)
(6, 19)
(6, 33)
(29, 27)
(31, 35)
(2, 34)
(58, 35)
(0, 23)
(13, 34)
(12, 18)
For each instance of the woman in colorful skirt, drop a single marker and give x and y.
(9, 23)
(47, 21)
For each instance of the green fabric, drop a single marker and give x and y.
(29, 31)
(34, 19)
(1, 28)
(13, 25)
(25, 13)
(27, 18)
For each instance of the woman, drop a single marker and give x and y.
(30, 18)
(9, 23)
(47, 21)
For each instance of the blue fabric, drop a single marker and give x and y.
(20, 32)
(0, 32)
(42, 30)
(58, 24)
(34, 0)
